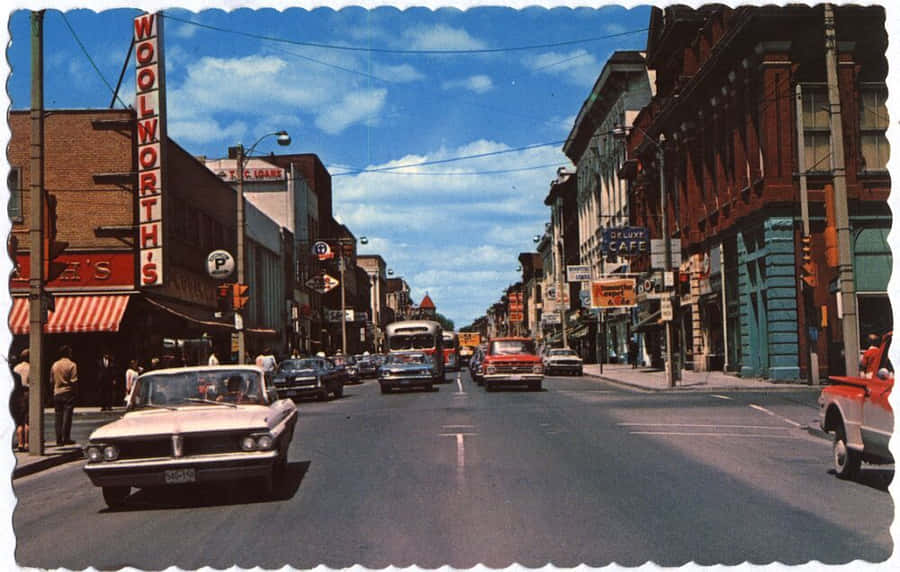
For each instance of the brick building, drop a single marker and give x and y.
(90, 168)
(728, 85)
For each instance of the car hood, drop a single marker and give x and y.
(563, 358)
(405, 368)
(296, 373)
(193, 419)
(522, 358)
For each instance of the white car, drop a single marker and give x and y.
(193, 424)
(562, 360)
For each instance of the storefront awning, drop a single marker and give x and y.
(201, 316)
(651, 321)
(74, 314)
(579, 332)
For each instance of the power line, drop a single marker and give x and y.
(453, 174)
(400, 51)
(90, 59)
(450, 159)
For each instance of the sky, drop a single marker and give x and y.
(366, 90)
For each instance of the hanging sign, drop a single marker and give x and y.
(618, 293)
(625, 241)
(322, 250)
(322, 283)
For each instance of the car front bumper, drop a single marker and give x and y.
(512, 378)
(207, 468)
(406, 381)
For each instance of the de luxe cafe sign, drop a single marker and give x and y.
(150, 105)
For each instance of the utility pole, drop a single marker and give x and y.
(813, 368)
(241, 236)
(847, 288)
(343, 304)
(667, 257)
(37, 376)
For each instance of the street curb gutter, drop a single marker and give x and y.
(47, 462)
(785, 387)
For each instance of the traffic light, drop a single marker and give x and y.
(807, 266)
(240, 296)
(223, 297)
(52, 248)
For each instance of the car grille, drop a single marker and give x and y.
(565, 362)
(192, 445)
(512, 367)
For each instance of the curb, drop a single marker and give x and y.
(699, 388)
(46, 462)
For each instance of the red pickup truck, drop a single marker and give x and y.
(858, 412)
(512, 361)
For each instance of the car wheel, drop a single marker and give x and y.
(429, 387)
(339, 391)
(488, 386)
(385, 389)
(115, 496)
(846, 461)
(535, 386)
(323, 395)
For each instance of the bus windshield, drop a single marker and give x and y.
(412, 341)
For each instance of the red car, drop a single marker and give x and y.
(512, 361)
(858, 412)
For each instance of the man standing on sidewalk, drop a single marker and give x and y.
(64, 378)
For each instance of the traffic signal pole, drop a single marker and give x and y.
(37, 375)
(241, 231)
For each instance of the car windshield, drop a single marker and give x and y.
(409, 358)
(412, 341)
(295, 364)
(512, 347)
(562, 353)
(180, 388)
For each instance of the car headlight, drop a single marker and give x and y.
(265, 442)
(490, 369)
(248, 443)
(110, 453)
(94, 454)
(538, 368)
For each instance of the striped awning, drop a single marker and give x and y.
(98, 313)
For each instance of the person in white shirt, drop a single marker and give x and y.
(131, 374)
(266, 360)
(213, 359)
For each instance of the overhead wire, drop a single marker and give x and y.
(90, 59)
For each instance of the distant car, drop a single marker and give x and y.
(368, 366)
(562, 360)
(308, 377)
(475, 365)
(858, 411)
(512, 361)
(407, 370)
(193, 424)
(348, 364)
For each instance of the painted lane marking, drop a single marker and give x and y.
(457, 426)
(460, 458)
(721, 397)
(459, 385)
(455, 434)
(693, 434)
(773, 414)
(701, 425)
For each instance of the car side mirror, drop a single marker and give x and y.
(884, 374)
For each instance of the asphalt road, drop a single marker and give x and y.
(582, 472)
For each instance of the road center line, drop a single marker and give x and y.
(773, 414)
(459, 385)
(721, 396)
(701, 425)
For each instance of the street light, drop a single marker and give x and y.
(621, 131)
(240, 155)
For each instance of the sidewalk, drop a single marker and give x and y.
(655, 380)
(27, 464)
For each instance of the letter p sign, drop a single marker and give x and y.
(219, 264)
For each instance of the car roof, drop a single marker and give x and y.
(199, 368)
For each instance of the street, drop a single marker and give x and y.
(581, 472)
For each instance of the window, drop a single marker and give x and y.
(816, 129)
(14, 184)
(873, 122)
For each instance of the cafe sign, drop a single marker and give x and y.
(626, 241)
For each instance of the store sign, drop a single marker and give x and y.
(219, 264)
(551, 318)
(93, 270)
(578, 273)
(625, 241)
(617, 293)
(255, 171)
(322, 283)
(150, 106)
(516, 317)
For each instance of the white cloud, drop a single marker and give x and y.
(441, 37)
(403, 73)
(202, 129)
(476, 83)
(356, 107)
(579, 66)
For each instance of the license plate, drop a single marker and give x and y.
(515, 377)
(178, 476)
(404, 382)
(291, 392)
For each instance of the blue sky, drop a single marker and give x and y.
(454, 228)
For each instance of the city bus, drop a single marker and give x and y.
(451, 351)
(418, 335)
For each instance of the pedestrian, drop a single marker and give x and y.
(295, 353)
(19, 400)
(213, 358)
(64, 379)
(106, 380)
(869, 355)
(266, 360)
(131, 375)
(632, 352)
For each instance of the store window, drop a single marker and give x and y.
(14, 184)
(873, 123)
(816, 129)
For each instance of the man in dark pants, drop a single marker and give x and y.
(106, 380)
(64, 379)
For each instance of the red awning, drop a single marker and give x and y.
(100, 313)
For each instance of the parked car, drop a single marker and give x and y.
(408, 370)
(193, 424)
(858, 411)
(368, 366)
(562, 360)
(512, 361)
(308, 377)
